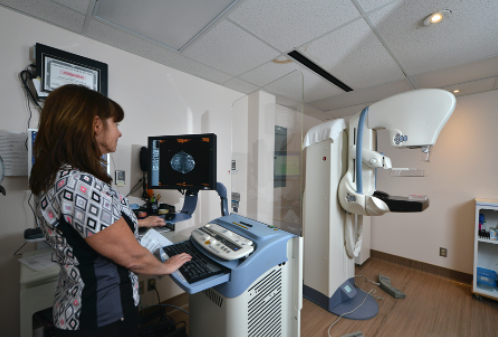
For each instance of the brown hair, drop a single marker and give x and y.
(66, 134)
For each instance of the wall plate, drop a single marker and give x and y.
(119, 178)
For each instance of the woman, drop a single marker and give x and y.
(90, 225)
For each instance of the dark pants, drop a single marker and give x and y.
(125, 328)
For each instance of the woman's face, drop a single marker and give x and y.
(107, 139)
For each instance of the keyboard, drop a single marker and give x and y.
(199, 268)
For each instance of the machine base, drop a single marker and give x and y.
(367, 310)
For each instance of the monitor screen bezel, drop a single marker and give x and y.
(30, 142)
(211, 165)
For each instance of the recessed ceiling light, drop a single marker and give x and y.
(282, 60)
(456, 91)
(437, 17)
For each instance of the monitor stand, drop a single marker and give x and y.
(190, 203)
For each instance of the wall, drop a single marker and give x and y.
(463, 166)
(157, 100)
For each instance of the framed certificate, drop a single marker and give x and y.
(55, 68)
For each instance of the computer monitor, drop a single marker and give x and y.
(31, 142)
(182, 162)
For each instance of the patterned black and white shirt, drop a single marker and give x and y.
(92, 291)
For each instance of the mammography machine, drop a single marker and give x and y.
(340, 185)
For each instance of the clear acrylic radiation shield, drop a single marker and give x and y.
(267, 162)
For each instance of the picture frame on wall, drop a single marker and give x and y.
(55, 68)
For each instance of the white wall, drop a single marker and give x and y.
(157, 100)
(463, 166)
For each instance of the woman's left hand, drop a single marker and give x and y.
(151, 221)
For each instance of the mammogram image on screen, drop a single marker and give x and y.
(182, 162)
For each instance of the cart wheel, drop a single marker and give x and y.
(478, 297)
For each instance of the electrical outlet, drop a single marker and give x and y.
(119, 178)
(443, 252)
(151, 284)
(141, 287)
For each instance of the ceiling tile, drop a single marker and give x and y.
(343, 112)
(289, 87)
(302, 107)
(461, 50)
(230, 48)
(169, 22)
(138, 46)
(369, 5)
(315, 87)
(365, 95)
(315, 113)
(470, 34)
(287, 102)
(269, 72)
(287, 24)
(240, 86)
(473, 87)
(80, 6)
(355, 56)
(458, 74)
(50, 12)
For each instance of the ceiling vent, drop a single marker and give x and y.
(318, 70)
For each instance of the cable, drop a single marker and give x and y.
(174, 306)
(374, 296)
(366, 279)
(32, 209)
(15, 254)
(158, 299)
(134, 187)
(331, 325)
(24, 75)
(36, 219)
(168, 305)
(25, 83)
(145, 196)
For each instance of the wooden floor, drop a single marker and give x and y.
(434, 306)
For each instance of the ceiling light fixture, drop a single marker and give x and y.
(437, 17)
(282, 60)
(318, 70)
(456, 91)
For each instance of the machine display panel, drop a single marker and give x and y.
(182, 162)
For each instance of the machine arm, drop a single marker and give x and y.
(413, 119)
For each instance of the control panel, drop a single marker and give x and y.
(222, 242)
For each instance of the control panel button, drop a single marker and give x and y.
(223, 242)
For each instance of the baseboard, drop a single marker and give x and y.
(453, 275)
